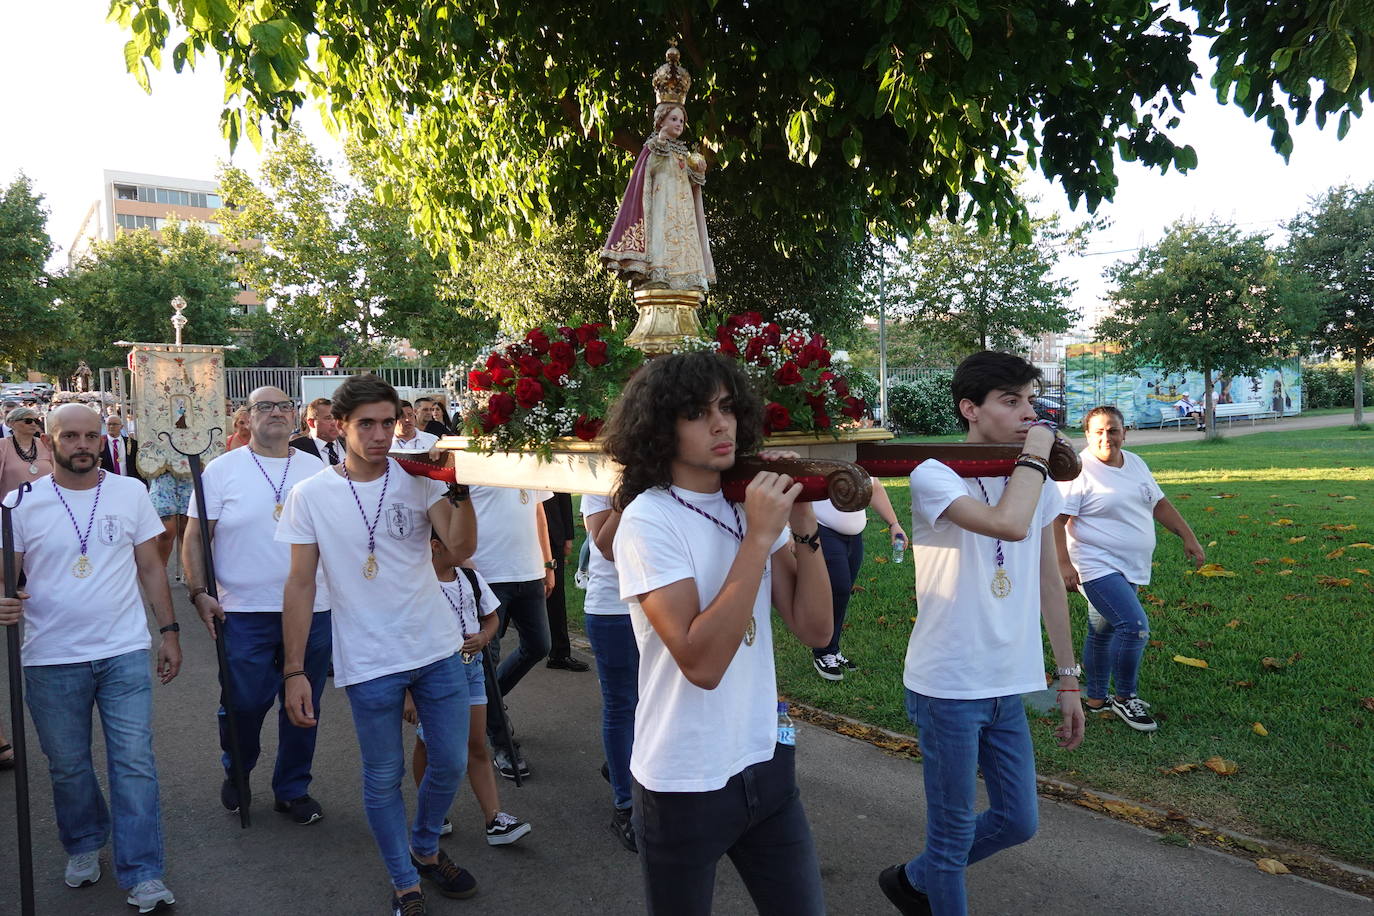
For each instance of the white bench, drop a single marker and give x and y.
(1251, 410)
(1168, 413)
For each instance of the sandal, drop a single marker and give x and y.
(6, 763)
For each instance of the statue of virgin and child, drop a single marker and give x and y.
(659, 238)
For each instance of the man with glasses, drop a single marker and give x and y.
(245, 492)
(408, 435)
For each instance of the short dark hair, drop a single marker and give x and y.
(317, 406)
(641, 431)
(405, 403)
(425, 397)
(988, 371)
(1104, 409)
(358, 390)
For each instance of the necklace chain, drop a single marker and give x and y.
(371, 526)
(1001, 559)
(457, 608)
(32, 454)
(736, 532)
(83, 539)
(280, 489)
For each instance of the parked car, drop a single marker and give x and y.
(1049, 407)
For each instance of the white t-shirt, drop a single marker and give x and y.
(458, 595)
(967, 643)
(250, 565)
(603, 582)
(397, 621)
(421, 439)
(508, 547)
(66, 619)
(841, 522)
(688, 739)
(1113, 529)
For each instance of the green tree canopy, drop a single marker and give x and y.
(124, 290)
(1210, 300)
(974, 290)
(1333, 243)
(27, 315)
(829, 116)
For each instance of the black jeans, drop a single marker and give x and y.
(844, 554)
(522, 603)
(557, 606)
(756, 819)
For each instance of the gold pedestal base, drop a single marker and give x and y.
(666, 318)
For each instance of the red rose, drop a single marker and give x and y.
(595, 354)
(500, 407)
(726, 340)
(497, 361)
(538, 341)
(566, 332)
(789, 374)
(795, 341)
(501, 377)
(827, 376)
(753, 352)
(813, 356)
(587, 428)
(528, 392)
(818, 341)
(555, 372)
(772, 334)
(854, 408)
(841, 386)
(562, 353)
(821, 419)
(815, 401)
(588, 332)
(479, 381)
(530, 366)
(776, 418)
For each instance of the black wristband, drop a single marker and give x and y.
(289, 675)
(812, 540)
(1024, 463)
(172, 627)
(457, 493)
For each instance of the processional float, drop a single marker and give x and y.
(660, 247)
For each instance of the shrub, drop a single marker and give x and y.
(923, 407)
(1332, 385)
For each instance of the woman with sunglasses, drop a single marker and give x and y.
(24, 456)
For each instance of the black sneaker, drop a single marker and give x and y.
(1133, 711)
(303, 810)
(828, 667)
(451, 880)
(229, 795)
(606, 771)
(412, 904)
(566, 663)
(500, 758)
(622, 828)
(845, 663)
(896, 887)
(505, 829)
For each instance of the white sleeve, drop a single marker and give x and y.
(296, 525)
(148, 525)
(933, 487)
(1051, 503)
(649, 554)
(214, 498)
(1071, 494)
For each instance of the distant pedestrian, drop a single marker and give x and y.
(558, 518)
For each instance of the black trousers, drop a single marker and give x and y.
(557, 606)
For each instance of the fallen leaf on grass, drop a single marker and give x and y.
(1362, 545)
(1221, 766)
(1156, 643)
(1203, 644)
(1271, 866)
(1284, 572)
(1367, 703)
(1271, 663)
(1297, 540)
(1214, 569)
(1281, 523)
(1260, 730)
(1363, 572)
(1338, 527)
(1245, 683)
(1122, 809)
(1190, 662)
(1262, 561)
(1232, 624)
(1211, 543)
(856, 589)
(1225, 496)
(881, 559)
(1209, 508)
(1338, 552)
(1284, 506)
(1334, 581)
(1289, 560)
(1181, 768)
(1153, 599)
(1242, 516)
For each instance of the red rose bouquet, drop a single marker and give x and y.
(553, 383)
(790, 368)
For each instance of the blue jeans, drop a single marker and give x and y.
(617, 667)
(1117, 633)
(958, 737)
(844, 554)
(253, 646)
(60, 699)
(522, 603)
(756, 819)
(440, 692)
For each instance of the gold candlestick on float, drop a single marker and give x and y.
(658, 244)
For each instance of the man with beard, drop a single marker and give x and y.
(87, 540)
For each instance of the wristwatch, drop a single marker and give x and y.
(550, 564)
(197, 592)
(1075, 671)
(172, 627)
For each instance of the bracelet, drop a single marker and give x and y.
(458, 493)
(172, 627)
(287, 677)
(1028, 456)
(1068, 690)
(1044, 472)
(812, 540)
(197, 592)
(1048, 424)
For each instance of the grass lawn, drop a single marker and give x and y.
(1288, 641)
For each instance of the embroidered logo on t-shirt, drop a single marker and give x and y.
(399, 524)
(108, 529)
(1147, 495)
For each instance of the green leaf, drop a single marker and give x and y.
(1185, 158)
(133, 62)
(959, 34)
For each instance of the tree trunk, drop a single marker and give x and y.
(1359, 384)
(1209, 409)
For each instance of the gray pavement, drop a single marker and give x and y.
(1240, 427)
(864, 807)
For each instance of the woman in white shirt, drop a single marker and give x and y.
(1105, 537)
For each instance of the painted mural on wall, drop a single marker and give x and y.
(1090, 379)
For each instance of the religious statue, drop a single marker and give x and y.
(659, 239)
(82, 377)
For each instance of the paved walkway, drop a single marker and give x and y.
(1237, 428)
(864, 806)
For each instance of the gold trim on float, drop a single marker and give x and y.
(667, 317)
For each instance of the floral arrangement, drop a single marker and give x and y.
(553, 383)
(791, 370)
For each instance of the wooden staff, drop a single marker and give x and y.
(19, 739)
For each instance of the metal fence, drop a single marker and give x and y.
(1051, 379)
(239, 383)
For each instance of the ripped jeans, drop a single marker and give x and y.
(1117, 633)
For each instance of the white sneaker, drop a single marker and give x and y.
(150, 896)
(83, 869)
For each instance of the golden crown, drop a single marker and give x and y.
(671, 81)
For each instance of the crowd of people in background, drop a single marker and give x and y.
(331, 561)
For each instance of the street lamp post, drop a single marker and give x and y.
(178, 320)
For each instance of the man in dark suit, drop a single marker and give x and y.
(119, 453)
(558, 511)
(322, 432)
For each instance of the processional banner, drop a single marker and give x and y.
(177, 390)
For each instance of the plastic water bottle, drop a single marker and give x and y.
(787, 732)
(898, 548)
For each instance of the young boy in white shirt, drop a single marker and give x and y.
(710, 777)
(367, 523)
(987, 573)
